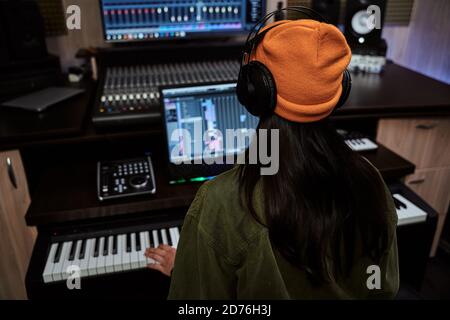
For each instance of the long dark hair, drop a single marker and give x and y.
(323, 198)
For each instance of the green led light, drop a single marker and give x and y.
(199, 179)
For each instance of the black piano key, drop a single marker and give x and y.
(73, 247)
(150, 237)
(128, 242)
(138, 242)
(96, 245)
(82, 249)
(114, 244)
(169, 237)
(106, 246)
(159, 237)
(399, 204)
(58, 252)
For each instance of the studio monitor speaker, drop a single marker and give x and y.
(24, 31)
(357, 28)
(329, 9)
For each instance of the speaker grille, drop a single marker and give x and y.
(54, 18)
(398, 12)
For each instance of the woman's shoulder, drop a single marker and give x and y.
(219, 213)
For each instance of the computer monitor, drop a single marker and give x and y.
(145, 20)
(205, 126)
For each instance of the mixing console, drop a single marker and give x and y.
(131, 93)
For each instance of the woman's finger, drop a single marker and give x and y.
(156, 257)
(165, 247)
(156, 266)
(157, 251)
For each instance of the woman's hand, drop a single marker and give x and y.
(164, 257)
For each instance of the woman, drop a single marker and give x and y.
(320, 226)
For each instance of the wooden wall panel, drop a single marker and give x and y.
(424, 45)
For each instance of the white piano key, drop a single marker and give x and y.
(84, 263)
(118, 257)
(109, 263)
(174, 236)
(125, 255)
(141, 253)
(134, 260)
(67, 262)
(101, 258)
(164, 236)
(92, 265)
(412, 213)
(147, 236)
(76, 260)
(155, 238)
(58, 270)
(48, 269)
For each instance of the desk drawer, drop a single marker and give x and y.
(433, 185)
(423, 141)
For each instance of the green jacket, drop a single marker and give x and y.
(223, 253)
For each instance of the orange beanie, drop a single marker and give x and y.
(307, 59)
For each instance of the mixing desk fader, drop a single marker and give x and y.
(130, 94)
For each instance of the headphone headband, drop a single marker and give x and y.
(254, 32)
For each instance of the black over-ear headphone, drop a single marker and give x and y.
(256, 88)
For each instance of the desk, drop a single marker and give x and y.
(396, 92)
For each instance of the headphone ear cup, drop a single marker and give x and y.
(346, 88)
(241, 87)
(261, 90)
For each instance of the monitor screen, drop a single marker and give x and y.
(205, 121)
(141, 20)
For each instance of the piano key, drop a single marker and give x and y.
(115, 244)
(399, 204)
(148, 240)
(58, 252)
(101, 258)
(67, 261)
(82, 249)
(84, 262)
(125, 254)
(160, 240)
(174, 235)
(109, 263)
(76, 260)
(96, 244)
(155, 238)
(128, 242)
(156, 242)
(48, 269)
(408, 212)
(138, 242)
(58, 269)
(164, 236)
(73, 247)
(134, 260)
(106, 247)
(141, 252)
(118, 257)
(92, 265)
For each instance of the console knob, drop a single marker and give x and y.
(138, 182)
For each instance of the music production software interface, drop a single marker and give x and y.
(134, 20)
(211, 109)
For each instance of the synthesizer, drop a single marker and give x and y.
(107, 256)
(357, 141)
(110, 253)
